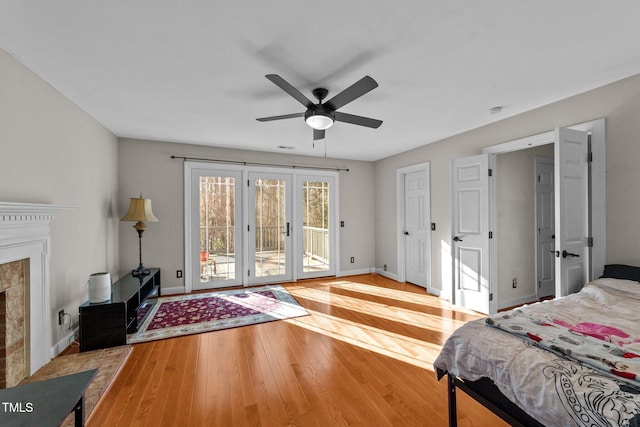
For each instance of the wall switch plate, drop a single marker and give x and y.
(179, 274)
(353, 259)
(433, 226)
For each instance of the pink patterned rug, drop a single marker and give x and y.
(196, 313)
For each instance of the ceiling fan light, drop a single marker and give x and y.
(319, 121)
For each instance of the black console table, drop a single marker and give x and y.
(45, 403)
(107, 324)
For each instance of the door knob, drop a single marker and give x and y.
(569, 254)
(457, 239)
(406, 233)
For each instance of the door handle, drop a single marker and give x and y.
(406, 233)
(288, 230)
(457, 239)
(569, 254)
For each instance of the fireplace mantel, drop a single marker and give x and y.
(25, 233)
(11, 211)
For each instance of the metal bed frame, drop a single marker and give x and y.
(487, 394)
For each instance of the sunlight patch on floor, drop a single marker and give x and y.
(409, 350)
(397, 314)
(395, 294)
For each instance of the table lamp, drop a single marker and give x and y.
(140, 211)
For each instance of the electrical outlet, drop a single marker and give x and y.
(60, 317)
(353, 259)
(179, 274)
(515, 282)
(385, 267)
(341, 223)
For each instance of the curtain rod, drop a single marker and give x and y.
(237, 162)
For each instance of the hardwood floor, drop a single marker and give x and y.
(363, 357)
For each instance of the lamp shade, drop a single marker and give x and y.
(139, 210)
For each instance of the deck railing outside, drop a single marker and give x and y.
(316, 242)
(221, 240)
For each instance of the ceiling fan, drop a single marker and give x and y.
(321, 116)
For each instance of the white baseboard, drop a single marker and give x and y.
(391, 276)
(171, 291)
(517, 301)
(436, 292)
(64, 342)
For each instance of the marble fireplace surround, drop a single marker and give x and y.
(25, 233)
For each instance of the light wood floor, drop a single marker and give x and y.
(361, 358)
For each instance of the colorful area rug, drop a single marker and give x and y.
(212, 311)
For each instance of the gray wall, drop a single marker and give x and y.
(53, 152)
(515, 233)
(618, 103)
(146, 167)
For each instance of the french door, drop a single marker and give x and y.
(214, 236)
(250, 226)
(270, 221)
(316, 228)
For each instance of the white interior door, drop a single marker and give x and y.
(470, 231)
(214, 234)
(572, 210)
(416, 226)
(270, 227)
(316, 226)
(545, 228)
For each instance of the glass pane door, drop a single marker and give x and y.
(270, 227)
(316, 220)
(216, 212)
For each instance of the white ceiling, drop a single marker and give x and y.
(193, 71)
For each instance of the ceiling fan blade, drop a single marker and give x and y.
(284, 116)
(356, 90)
(285, 86)
(357, 120)
(318, 134)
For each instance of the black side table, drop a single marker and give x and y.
(45, 403)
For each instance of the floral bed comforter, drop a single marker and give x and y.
(570, 361)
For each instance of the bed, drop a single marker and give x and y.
(572, 361)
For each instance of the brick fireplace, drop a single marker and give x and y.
(25, 309)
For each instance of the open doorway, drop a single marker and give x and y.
(525, 224)
(579, 206)
(544, 229)
(582, 216)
